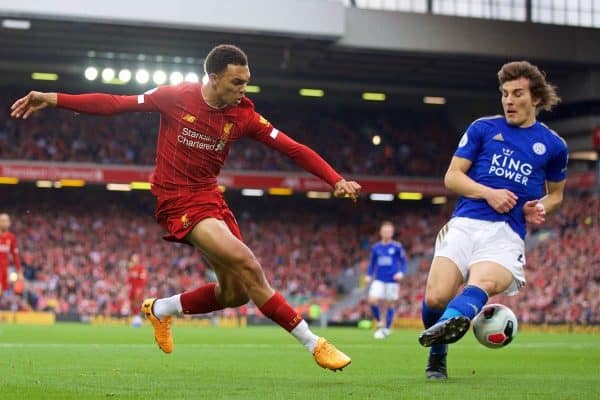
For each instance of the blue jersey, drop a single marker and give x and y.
(386, 261)
(508, 157)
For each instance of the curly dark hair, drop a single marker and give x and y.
(221, 56)
(541, 90)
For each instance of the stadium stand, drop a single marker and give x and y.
(410, 142)
(76, 245)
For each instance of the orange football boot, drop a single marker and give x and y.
(328, 356)
(162, 327)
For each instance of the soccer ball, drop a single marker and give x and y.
(495, 326)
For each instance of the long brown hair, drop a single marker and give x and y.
(540, 90)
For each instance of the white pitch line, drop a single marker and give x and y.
(199, 345)
(565, 345)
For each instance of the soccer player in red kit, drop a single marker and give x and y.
(136, 277)
(198, 125)
(8, 244)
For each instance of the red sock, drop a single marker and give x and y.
(281, 312)
(200, 301)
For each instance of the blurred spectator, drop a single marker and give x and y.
(412, 143)
(76, 245)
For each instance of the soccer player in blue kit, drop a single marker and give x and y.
(387, 267)
(509, 171)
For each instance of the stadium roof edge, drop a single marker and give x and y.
(308, 18)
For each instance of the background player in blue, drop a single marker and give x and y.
(508, 170)
(387, 267)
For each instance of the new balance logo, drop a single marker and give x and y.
(189, 118)
(499, 137)
(507, 152)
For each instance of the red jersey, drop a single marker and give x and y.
(194, 138)
(8, 244)
(137, 276)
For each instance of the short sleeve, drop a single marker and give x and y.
(556, 169)
(469, 145)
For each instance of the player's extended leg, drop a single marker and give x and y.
(443, 283)
(486, 279)
(215, 240)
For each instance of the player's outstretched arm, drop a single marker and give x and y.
(457, 180)
(311, 162)
(93, 103)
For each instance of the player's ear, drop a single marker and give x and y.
(213, 79)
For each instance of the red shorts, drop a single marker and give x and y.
(4, 279)
(179, 214)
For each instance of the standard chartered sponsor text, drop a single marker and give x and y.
(207, 142)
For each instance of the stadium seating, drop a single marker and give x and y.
(412, 143)
(76, 246)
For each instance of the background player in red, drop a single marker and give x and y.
(8, 245)
(136, 277)
(198, 124)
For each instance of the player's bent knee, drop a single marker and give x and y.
(436, 301)
(491, 287)
(252, 273)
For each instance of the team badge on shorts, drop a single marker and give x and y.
(185, 221)
(539, 148)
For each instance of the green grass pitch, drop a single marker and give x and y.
(73, 361)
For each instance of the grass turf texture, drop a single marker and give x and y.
(74, 361)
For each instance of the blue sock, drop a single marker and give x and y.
(430, 317)
(389, 317)
(376, 313)
(467, 304)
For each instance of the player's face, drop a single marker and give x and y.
(135, 259)
(230, 85)
(4, 222)
(386, 232)
(519, 106)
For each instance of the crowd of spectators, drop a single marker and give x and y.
(76, 247)
(411, 143)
